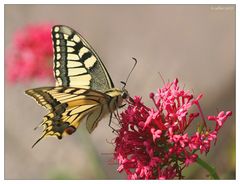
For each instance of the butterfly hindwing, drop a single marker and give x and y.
(64, 121)
(76, 64)
(50, 97)
(68, 106)
(94, 117)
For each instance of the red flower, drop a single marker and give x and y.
(153, 143)
(30, 55)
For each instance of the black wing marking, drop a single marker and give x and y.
(68, 106)
(76, 63)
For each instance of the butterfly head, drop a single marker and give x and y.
(124, 94)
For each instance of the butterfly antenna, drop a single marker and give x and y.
(125, 83)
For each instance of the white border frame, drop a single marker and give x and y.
(119, 2)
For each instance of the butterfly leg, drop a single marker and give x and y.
(122, 106)
(117, 114)
(110, 122)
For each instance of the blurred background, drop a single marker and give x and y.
(194, 43)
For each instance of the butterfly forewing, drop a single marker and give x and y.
(76, 64)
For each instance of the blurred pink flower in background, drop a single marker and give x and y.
(154, 143)
(30, 54)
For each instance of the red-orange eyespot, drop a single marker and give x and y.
(70, 130)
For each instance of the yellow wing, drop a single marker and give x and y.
(68, 107)
(83, 89)
(50, 97)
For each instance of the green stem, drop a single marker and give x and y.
(210, 169)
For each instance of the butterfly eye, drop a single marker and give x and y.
(124, 94)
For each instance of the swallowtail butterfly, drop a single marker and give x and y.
(83, 88)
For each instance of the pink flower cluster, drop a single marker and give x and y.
(154, 143)
(30, 54)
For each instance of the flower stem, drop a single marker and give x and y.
(210, 169)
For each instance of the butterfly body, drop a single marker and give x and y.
(84, 89)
